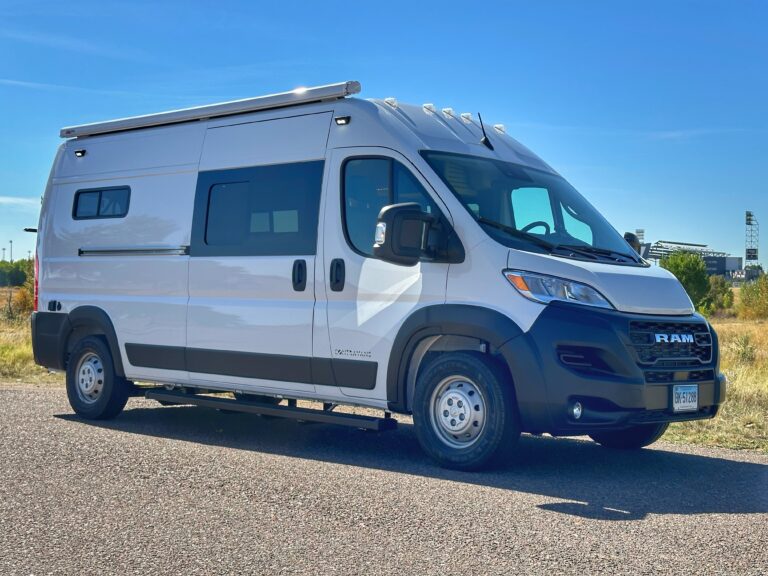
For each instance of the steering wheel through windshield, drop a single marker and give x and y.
(536, 224)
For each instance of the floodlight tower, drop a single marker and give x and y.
(752, 235)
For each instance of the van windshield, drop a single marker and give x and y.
(530, 209)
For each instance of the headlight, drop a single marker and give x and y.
(545, 289)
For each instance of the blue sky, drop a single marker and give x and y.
(656, 111)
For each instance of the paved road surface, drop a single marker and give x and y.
(186, 490)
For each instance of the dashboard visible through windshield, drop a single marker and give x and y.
(530, 209)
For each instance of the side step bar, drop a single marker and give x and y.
(290, 411)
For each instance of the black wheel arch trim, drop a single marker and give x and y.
(442, 319)
(95, 317)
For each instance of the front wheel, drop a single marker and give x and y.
(632, 438)
(94, 390)
(464, 411)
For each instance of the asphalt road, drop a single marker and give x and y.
(187, 490)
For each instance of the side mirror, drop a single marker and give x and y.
(401, 233)
(633, 241)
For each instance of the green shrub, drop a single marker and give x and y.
(753, 303)
(690, 269)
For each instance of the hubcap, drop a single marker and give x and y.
(90, 378)
(458, 411)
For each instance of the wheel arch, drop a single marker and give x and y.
(442, 328)
(94, 321)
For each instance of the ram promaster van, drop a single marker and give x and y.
(312, 246)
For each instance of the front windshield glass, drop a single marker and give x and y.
(529, 209)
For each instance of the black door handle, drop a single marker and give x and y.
(337, 274)
(299, 275)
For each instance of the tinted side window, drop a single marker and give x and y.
(260, 211)
(369, 184)
(101, 203)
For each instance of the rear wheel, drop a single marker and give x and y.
(632, 438)
(464, 411)
(94, 390)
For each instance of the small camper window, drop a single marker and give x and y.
(101, 203)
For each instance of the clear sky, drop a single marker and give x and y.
(657, 111)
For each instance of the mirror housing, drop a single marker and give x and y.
(401, 233)
(633, 241)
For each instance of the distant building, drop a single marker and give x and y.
(722, 265)
(662, 248)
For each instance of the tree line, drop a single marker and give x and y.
(15, 273)
(714, 294)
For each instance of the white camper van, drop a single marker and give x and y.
(313, 246)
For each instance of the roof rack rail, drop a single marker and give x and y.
(292, 98)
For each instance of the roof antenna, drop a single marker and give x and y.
(484, 139)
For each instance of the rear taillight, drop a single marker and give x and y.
(37, 274)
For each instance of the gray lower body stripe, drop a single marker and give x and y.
(319, 371)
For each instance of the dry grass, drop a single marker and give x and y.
(16, 362)
(743, 419)
(741, 423)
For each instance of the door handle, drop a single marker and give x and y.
(299, 275)
(337, 274)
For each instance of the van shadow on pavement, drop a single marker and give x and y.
(596, 483)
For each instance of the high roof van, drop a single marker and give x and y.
(314, 246)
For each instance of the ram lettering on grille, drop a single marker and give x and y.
(670, 338)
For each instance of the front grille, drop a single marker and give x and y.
(660, 377)
(676, 351)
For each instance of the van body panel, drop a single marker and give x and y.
(134, 151)
(290, 139)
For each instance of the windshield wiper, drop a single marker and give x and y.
(595, 250)
(517, 233)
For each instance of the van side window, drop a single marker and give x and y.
(101, 203)
(369, 184)
(261, 211)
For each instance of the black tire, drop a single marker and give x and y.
(447, 384)
(91, 361)
(632, 438)
(256, 398)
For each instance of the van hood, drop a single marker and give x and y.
(633, 289)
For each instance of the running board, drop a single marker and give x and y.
(304, 414)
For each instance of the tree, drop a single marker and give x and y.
(753, 303)
(690, 269)
(719, 296)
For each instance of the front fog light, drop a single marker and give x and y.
(545, 289)
(576, 410)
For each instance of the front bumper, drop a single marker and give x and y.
(610, 363)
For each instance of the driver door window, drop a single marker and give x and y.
(532, 210)
(369, 184)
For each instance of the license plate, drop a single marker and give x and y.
(685, 398)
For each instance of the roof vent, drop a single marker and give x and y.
(500, 128)
(466, 117)
(429, 108)
(448, 112)
(391, 101)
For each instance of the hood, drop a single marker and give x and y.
(633, 289)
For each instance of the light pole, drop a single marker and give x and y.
(3, 254)
(11, 242)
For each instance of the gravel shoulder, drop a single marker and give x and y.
(194, 491)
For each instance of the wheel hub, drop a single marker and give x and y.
(90, 378)
(458, 411)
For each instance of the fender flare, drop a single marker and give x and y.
(98, 321)
(442, 319)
